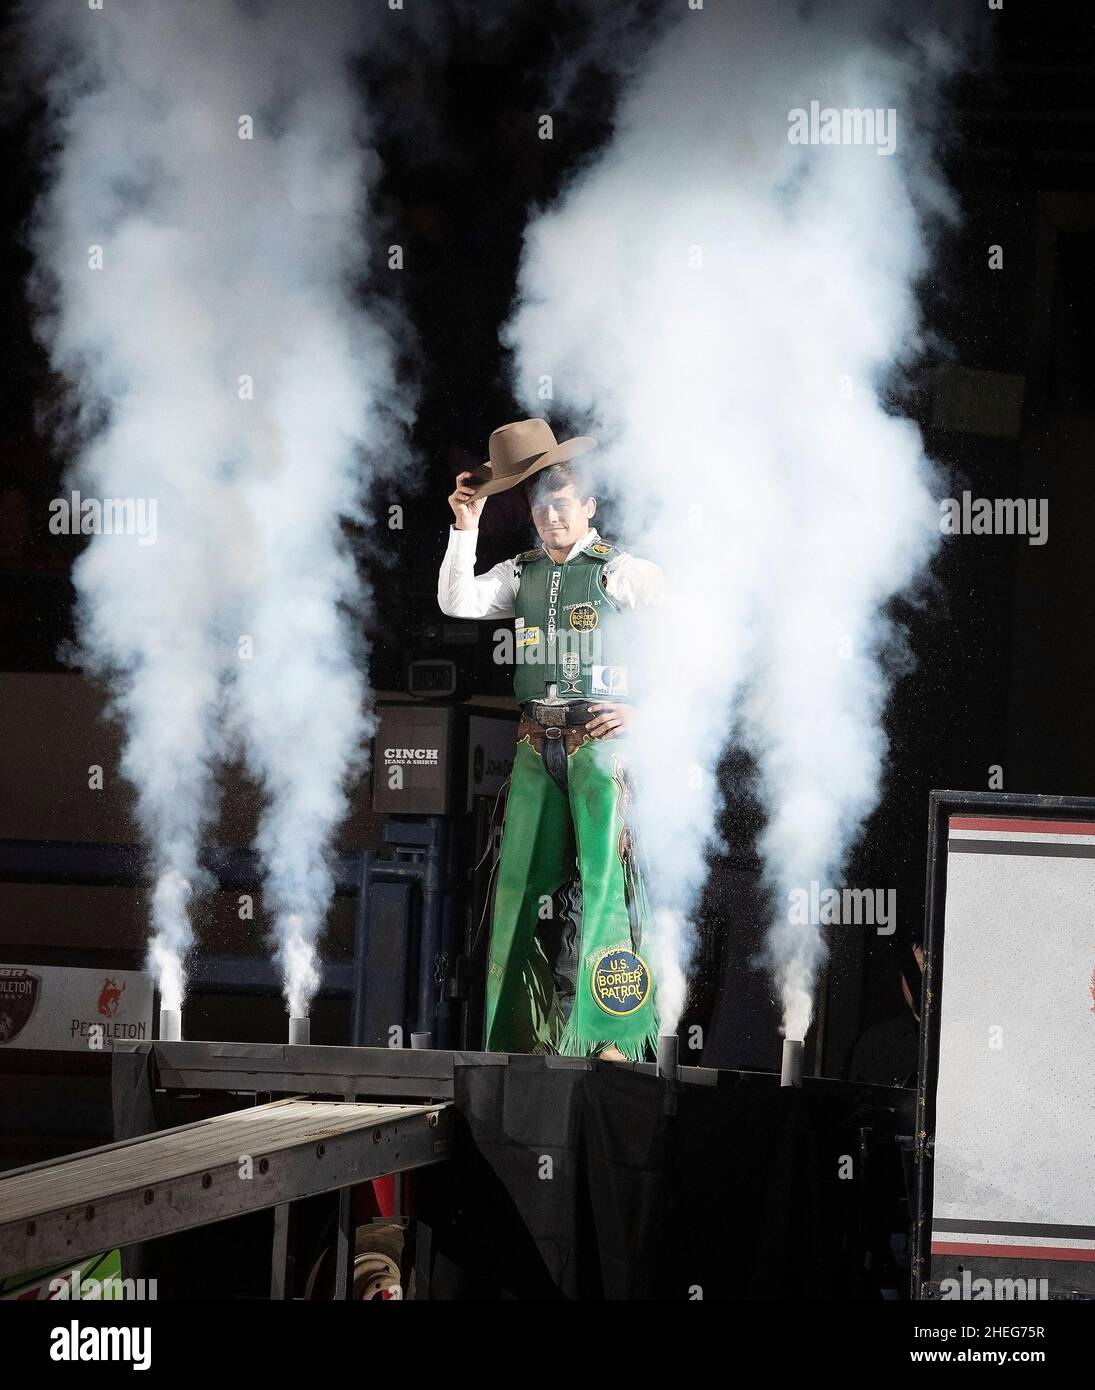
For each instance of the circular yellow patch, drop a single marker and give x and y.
(620, 982)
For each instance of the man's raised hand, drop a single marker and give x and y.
(464, 509)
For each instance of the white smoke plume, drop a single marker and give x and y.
(722, 307)
(223, 363)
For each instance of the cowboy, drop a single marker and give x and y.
(569, 798)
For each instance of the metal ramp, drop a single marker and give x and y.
(193, 1175)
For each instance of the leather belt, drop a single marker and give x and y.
(557, 716)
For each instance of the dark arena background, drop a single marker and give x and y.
(929, 1146)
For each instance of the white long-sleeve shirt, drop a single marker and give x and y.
(461, 593)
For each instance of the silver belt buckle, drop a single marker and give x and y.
(551, 716)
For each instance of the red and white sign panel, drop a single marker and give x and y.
(1014, 1171)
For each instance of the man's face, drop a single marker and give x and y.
(560, 519)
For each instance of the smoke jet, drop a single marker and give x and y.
(723, 303)
(199, 250)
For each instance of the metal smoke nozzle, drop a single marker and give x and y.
(300, 1030)
(791, 1074)
(668, 1049)
(667, 1071)
(171, 1025)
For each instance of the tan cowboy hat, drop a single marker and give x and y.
(521, 449)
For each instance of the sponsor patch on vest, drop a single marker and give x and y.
(620, 981)
(609, 680)
(583, 617)
(599, 548)
(553, 600)
(528, 636)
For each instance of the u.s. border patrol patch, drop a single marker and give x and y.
(583, 617)
(620, 981)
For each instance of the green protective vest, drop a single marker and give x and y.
(568, 628)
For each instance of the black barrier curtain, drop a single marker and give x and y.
(608, 1184)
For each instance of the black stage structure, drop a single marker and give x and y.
(570, 1178)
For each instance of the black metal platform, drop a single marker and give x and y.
(380, 1073)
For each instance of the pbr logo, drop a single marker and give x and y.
(583, 617)
(620, 981)
(19, 991)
